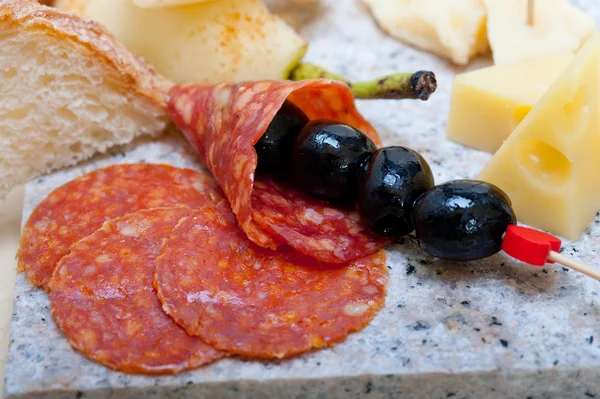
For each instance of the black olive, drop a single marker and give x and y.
(395, 177)
(326, 158)
(462, 220)
(275, 146)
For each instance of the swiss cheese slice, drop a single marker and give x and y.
(557, 26)
(550, 165)
(454, 29)
(488, 104)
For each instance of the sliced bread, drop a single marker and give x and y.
(69, 90)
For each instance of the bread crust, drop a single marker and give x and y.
(133, 72)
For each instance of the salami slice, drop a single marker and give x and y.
(223, 122)
(79, 208)
(253, 301)
(103, 299)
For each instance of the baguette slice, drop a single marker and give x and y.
(69, 90)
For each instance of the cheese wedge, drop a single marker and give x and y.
(557, 26)
(487, 104)
(549, 166)
(454, 29)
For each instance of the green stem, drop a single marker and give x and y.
(418, 85)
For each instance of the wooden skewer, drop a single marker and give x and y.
(530, 11)
(573, 264)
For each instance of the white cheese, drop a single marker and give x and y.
(453, 29)
(557, 26)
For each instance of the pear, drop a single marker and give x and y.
(164, 3)
(404, 85)
(204, 42)
(227, 40)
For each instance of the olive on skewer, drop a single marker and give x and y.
(394, 193)
(462, 220)
(388, 185)
(326, 157)
(275, 146)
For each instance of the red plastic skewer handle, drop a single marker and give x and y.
(529, 245)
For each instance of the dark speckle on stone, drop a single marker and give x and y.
(504, 343)
(79, 394)
(495, 322)
(529, 397)
(477, 329)
(419, 326)
(466, 304)
(401, 305)
(189, 382)
(43, 319)
(590, 340)
(450, 394)
(389, 267)
(410, 269)
(545, 271)
(424, 342)
(565, 269)
(318, 363)
(394, 348)
(483, 340)
(423, 262)
(590, 395)
(555, 362)
(368, 387)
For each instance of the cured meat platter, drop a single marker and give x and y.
(489, 328)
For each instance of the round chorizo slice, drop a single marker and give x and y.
(244, 299)
(79, 208)
(103, 299)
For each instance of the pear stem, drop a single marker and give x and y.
(419, 85)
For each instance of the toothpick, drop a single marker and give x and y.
(573, 264)
(530, 11)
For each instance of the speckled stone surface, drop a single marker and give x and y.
(488, 329)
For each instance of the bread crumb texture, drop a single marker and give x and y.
(70, 90)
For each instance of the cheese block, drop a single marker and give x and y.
(453, 29)
(205, 42)
(549, 166)
(557, 26)
(487, 104)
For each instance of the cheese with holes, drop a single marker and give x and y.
(488, 104)
(550, 165)
(557, 26)
(453, 29)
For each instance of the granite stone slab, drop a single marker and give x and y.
(488, 329)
